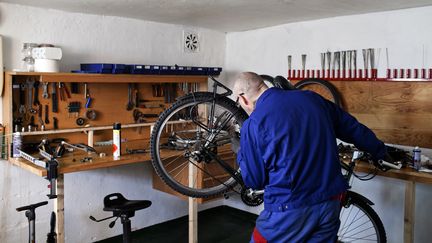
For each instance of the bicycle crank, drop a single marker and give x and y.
(250, 198)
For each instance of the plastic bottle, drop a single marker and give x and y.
(116, 141)
(16, 144)
(417, 158)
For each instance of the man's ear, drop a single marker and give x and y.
(245, 101)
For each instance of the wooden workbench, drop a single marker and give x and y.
(109, 94)
(411, 177)
(399, 112)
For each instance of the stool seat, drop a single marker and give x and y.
(118, 204)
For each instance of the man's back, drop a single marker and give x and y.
(297, 143)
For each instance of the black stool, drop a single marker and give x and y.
(124, 209)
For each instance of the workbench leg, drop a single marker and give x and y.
(193, 208)
(59, 209)
(409, 212)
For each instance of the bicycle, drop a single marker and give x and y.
(198, 131)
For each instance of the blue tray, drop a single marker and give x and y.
(139, 69)
(119, 68)
(214, 70)
(97, 67)
(171, 70)
(195, 71)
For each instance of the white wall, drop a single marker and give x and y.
(404, 32)
(91, 38)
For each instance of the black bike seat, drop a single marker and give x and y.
(31, 206)
(116, 203)
(283, 83)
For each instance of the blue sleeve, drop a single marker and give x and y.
(349, 130)
(249, 157)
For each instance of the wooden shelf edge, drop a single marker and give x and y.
(112, 78)
(98, 163)
(406, 174)
(26, 165)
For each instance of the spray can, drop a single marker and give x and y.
(16, 144)
(417, 158)
(116, 141)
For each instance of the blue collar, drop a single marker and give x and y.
(263, 96)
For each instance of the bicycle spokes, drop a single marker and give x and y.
(196, 136)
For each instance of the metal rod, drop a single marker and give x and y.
(328, 54)
(303, 62)
(323, 61)
(372, 58)
(355, 59)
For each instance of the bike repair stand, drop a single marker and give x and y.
(56, 187)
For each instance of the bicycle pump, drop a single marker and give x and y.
(31, 216)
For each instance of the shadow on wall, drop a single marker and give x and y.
(71, 60)
(7, 49)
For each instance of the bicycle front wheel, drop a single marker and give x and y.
(359, 222)
(191, 144)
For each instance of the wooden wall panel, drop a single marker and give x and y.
(398, 112)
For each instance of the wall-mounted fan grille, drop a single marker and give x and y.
(191, 42)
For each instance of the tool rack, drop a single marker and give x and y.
(109, 97)
(399, 111)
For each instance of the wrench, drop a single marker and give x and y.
(36, 93)
(22, 108)
(45, 91)
(30, 87)
(54, 98)
(130, 104)
(41, 121)
(46, 115)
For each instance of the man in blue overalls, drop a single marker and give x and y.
(288, 147)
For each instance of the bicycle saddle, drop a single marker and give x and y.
(31, 206)
(118, 204)
(282, 83)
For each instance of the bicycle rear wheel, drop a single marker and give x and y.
(321, 87)
(197, 132)
(359, 222)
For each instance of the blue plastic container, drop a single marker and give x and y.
(171, 70)
(97, 67)
(214, 71)
(139, 69)
(195, 71)
(119, 68)
(164, 69)
(180, 70)
(82, 71)
(155, 69)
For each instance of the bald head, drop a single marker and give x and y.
(251, 86)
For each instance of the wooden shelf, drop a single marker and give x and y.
(71, 162)
(112, 78)
(407, 174)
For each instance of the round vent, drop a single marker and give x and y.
(191, 42)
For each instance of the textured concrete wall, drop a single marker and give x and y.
(404, 32)
(91, 38)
